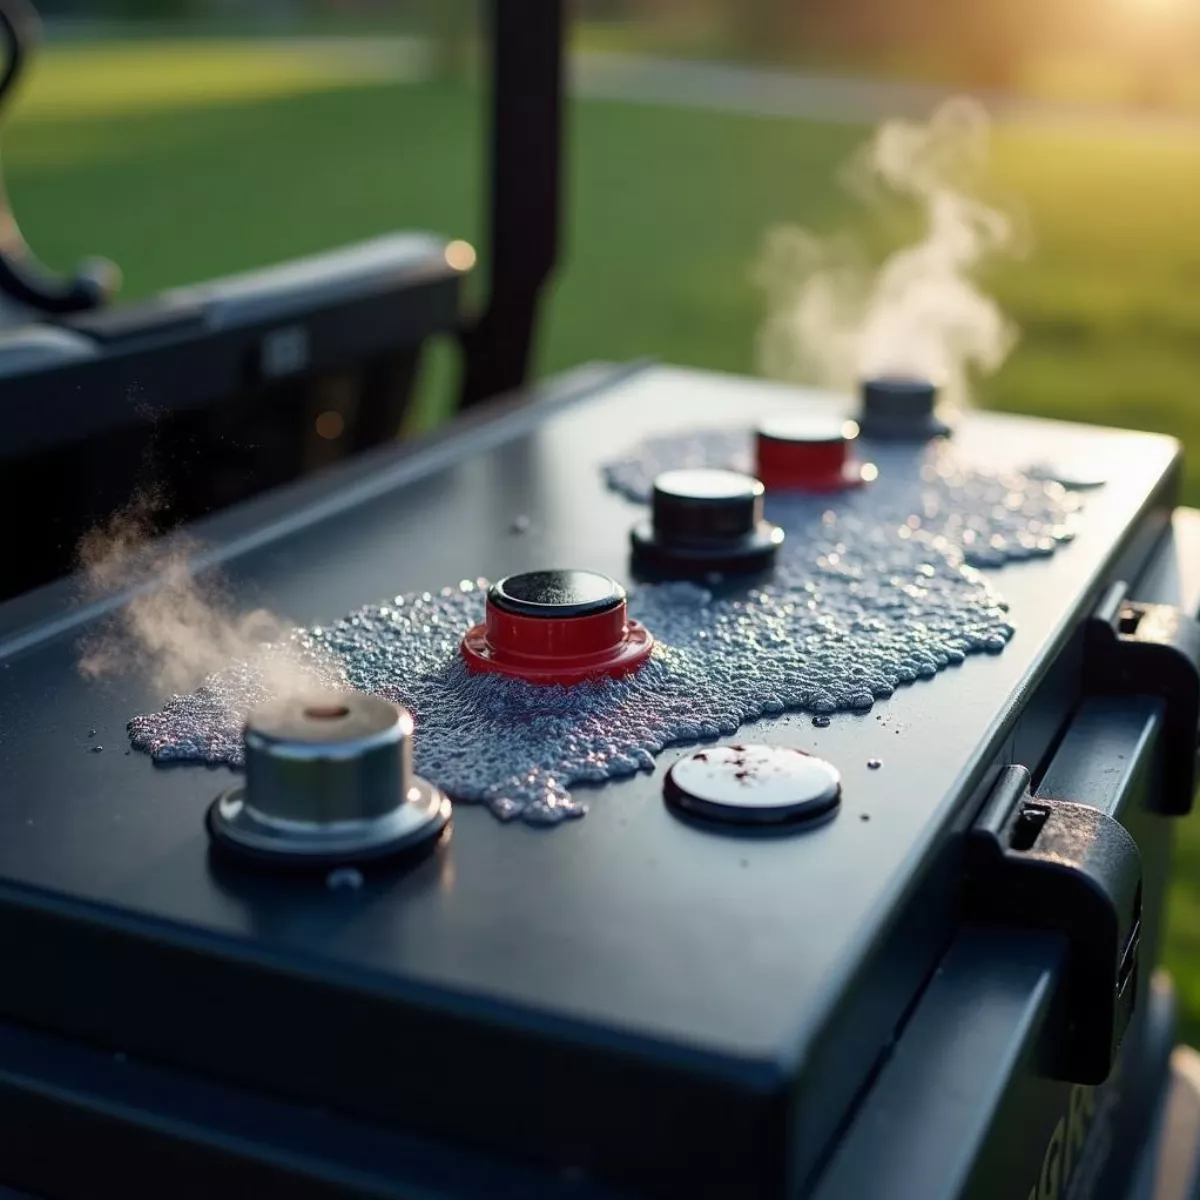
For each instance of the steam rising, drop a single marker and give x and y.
(834, 320)
(177, 629)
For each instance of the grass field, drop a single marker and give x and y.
(185, 160)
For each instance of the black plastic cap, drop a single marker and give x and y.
(900, 408)
(705, 522)
(705, 504)
(556, 594)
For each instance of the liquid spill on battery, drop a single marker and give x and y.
(986, 518)
(873, 590)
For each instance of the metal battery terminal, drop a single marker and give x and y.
(809, 454)
(557, 628)
(329, 780)
(703, 522)
(900, 409)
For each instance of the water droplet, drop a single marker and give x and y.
(344, 879)
(874, 763)
(821, 721)
(95, 749)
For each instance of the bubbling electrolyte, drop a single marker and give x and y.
(874, 589)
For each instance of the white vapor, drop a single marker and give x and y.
(180, 628)
(834, 318)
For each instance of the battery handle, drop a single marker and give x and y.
(1070, 869)
(1137, 649)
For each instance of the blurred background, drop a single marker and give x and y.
(186, 139)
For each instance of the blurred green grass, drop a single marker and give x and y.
(186, 161)
(110, 78)
(1053, 68)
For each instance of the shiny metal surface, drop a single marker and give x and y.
(329, 778)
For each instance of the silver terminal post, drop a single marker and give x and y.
(329, 780)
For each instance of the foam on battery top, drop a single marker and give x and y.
(873, 590)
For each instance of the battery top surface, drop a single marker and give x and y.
(630, 928)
